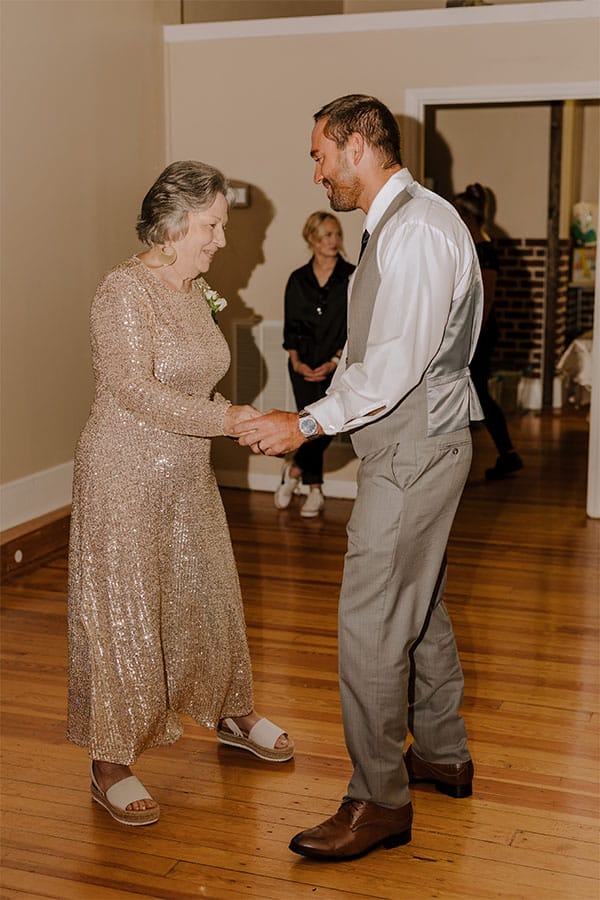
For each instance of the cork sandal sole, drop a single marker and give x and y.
(119, 796)
(260, 740)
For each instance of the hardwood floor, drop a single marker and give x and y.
(523, 593)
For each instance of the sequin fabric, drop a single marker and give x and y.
(156, 624)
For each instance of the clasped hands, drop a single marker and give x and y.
(273, 433)
(315, 375)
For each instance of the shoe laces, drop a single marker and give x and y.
(351, 808)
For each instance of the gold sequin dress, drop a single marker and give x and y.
(156, 624)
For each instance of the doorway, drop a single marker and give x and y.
(417, 102)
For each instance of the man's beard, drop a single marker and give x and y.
(344, 195)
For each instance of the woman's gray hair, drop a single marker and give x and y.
(185, 186)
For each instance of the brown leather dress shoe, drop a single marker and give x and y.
(357, 828)
(455, 780)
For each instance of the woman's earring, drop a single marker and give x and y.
(166, 258)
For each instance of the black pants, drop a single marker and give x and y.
(494, 417)
(309, 457)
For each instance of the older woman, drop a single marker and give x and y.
(314, 334)
(156, 625)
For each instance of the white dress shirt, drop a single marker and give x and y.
(425, 258)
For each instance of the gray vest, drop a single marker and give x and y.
(444, 400)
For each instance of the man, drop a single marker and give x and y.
(402, 389)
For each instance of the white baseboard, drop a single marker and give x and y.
(256, 481)
(35, 495)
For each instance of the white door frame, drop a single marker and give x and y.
(417, 99)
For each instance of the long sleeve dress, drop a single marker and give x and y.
(156, 624)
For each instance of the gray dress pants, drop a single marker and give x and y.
(391, 613)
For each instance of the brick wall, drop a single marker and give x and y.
(520, 293)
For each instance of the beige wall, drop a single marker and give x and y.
(232, 10)
(83, 137)
(586, 183)
(503, 147)
(264, 137)
(506, 148)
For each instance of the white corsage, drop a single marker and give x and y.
(215, 302)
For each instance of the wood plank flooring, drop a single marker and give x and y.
(523, 592)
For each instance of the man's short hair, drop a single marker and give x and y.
(367, 116)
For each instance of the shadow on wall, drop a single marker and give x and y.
(439, 177)
(230, 274)
(246, 233)
(232, 271)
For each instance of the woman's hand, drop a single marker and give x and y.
(236, 414)
(319, 374)
(323, 371)
(305, 371)
(297, 365)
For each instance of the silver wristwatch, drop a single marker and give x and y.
(308, 425)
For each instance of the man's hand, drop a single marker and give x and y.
(273, 434)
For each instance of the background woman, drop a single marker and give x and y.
(471, 205)
(314, 335)
(156, 625)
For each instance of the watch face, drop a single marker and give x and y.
(308, 426)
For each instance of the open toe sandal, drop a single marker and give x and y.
(260, 740)
(120, 795)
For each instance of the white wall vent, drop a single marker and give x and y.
(260, 366)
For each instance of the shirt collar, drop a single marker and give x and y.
(393, 186)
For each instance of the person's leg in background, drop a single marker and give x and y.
(508, 459)
(307, 463)
(309, 459)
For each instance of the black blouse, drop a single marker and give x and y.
(487, 255)
(488, 336)
(315, 316)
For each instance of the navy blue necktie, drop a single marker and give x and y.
(363, 243)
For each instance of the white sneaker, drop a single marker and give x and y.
(287, 488)
(313, 504)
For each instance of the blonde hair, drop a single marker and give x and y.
(313, 224)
